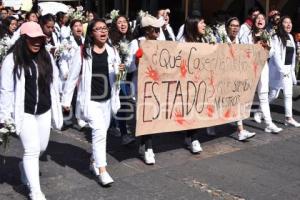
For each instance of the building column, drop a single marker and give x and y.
(118, 5)
(101, 8)
(153, 7)
(248, 4)
(195, 5)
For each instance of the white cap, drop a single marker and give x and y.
(149, 20)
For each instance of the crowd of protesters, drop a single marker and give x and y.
(54, 66)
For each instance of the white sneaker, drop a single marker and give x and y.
(94, 169)
(37, 196)
(81, 123)
(195, 147)
(105, 179)
(127, 139)
(211, 131)
(244, 135)
(257, 117)
(272, 128)
(24, 179)
(292, 122)
(147, 155)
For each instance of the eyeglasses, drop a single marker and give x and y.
(100, 29)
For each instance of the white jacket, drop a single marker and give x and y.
(12, 96)
(84, 65)
(66, 56)
(180, 33)
(277, 67)
(132, 67)
(170, 31)
(244, 31)
(263, 84)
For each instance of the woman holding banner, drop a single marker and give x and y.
(148, 29)
(259, 35)
(97, 92)
(194, 31)
(232, 27)
(282, 68)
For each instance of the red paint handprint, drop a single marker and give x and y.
(183, 68)
(152, 73)
(179, 117)
(227, 114)
(210, 110)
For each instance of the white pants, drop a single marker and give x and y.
(99, 115)
(35, 137)
(288, 95)
(263, 94)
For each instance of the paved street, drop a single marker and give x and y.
(265, 168)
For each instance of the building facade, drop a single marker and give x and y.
(181, 8)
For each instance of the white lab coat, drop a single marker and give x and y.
(170, 31)
(84, 90)
(180, 33)
(12, 96)
(66, 57)
(263, 84)
(134, 46)
(244, 31)
(277, 67)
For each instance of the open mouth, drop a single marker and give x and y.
(36, 45)
(103, 37)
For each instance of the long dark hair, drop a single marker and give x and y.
(191, 33)
(281, 33)
(5, 26)
(73, 22)
(115, 35)
(27, 16)
(23, 59)
(59, 17)
(46, 18)
(89, 40)
(256, 30)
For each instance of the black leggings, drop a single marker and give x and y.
(192, 134)
(147, 141)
